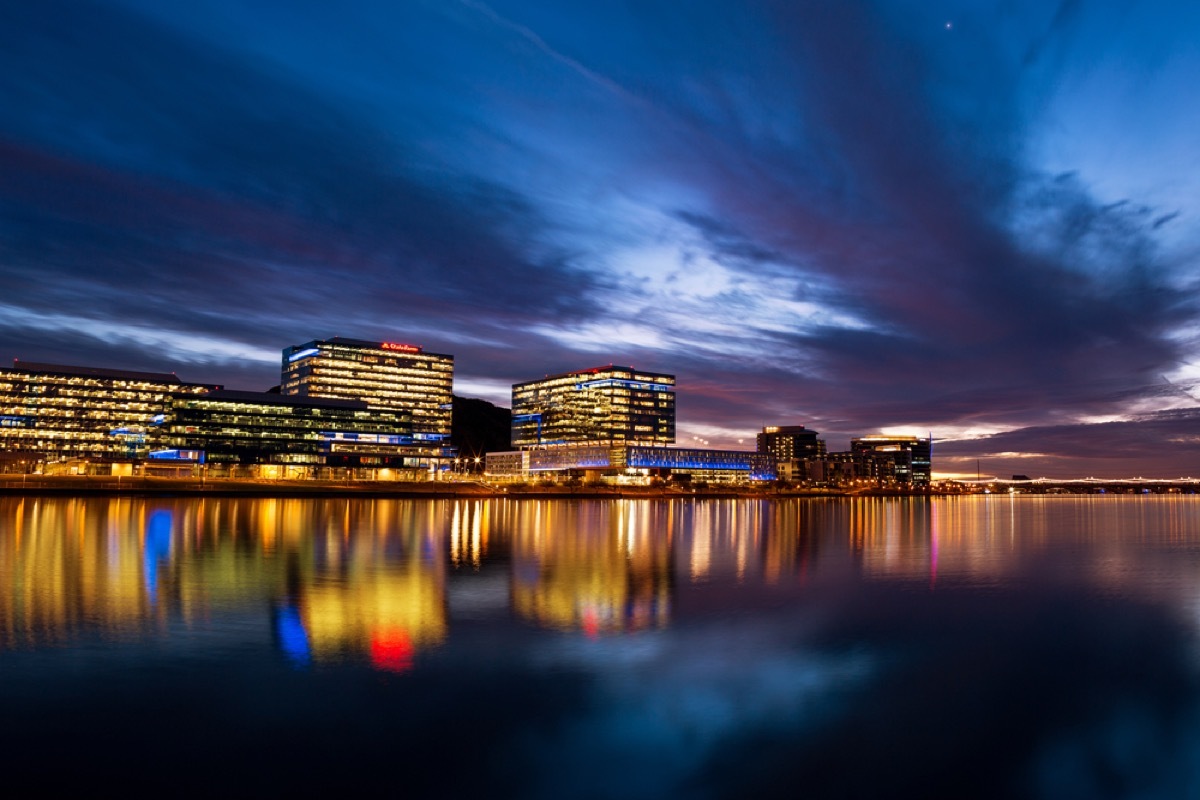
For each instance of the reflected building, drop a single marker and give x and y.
(575, 574)
(365, 583)
(369, 585)
(387, 613)
(66, 572)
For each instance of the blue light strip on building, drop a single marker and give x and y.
(312, 351)
(178, 455)
(648, 462)
(607, 382)
(373, 438)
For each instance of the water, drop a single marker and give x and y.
(956, 647)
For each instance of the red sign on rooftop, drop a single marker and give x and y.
(400, 348)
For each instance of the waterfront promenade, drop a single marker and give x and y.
(457, 487)
(462, 486)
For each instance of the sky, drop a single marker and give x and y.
(975, 220)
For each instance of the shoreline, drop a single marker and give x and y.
(159, 486)
(247, 487)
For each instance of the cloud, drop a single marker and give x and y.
(1162, 444)
(198, 191)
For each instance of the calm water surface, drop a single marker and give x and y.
(957, 647)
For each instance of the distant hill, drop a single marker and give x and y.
(478, 427)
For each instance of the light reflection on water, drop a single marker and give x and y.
(631, 648)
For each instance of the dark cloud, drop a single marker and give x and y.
(991, 291)
(1163, 444)
(1164, 219)
(191, 189)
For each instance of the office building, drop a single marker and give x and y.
(600, 405)
(261, 428)
(632, 461)
(790, 443)
(899, 459)
(55, 412)
(384, 375)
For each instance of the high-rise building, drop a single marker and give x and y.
(388, 375)
(599, 405)
(908, 459)
(790, 443)
(56, 412)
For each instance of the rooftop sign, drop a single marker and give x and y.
(400, 348)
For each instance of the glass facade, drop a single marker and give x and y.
(904, 459)
(253, 428)
(709, 464)
(755, 466)
(790, 442)
(602, 405)
(59, 412)
(384, 375)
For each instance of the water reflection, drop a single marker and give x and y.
(340, 577)
(367, 579)
(597, 568)
(965, 647)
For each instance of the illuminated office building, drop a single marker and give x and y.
(604, 404)
(903, 459)
(56, 412)
(385, 375)
(633, 460)
(790, 442)
(262, 428)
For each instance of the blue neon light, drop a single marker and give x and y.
(656, 387)
(159, 419)
(375, 438)
(312, 351)
(686, 463)
(177, 455)
(13, 421)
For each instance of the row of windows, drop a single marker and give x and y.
(360, 365)
(382, 373)
(93, 386)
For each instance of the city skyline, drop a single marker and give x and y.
(896, 217)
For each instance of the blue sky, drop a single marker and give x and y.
(975, 219)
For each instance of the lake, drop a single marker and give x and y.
(967, 647)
